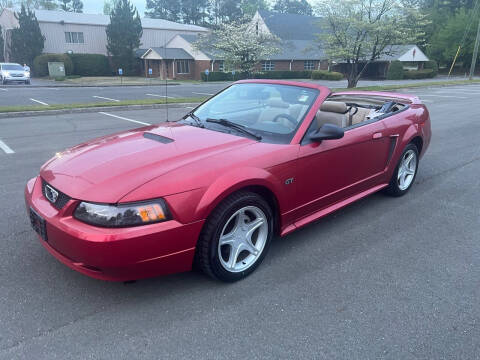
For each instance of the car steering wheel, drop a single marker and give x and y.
(291, 119)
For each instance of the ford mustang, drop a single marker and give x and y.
(260, 159)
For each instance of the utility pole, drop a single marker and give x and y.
(475, 53)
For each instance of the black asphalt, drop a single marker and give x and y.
(53, 95)
(384, 278)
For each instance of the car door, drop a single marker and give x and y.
(333, 170)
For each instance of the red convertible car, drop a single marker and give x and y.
(259, 159)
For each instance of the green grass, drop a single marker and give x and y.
(7, 109)
(408, 86)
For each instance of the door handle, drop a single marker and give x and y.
(377, 135)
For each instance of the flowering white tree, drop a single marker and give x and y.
(359, 32)
(239, 45)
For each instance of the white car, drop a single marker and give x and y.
(10, 72)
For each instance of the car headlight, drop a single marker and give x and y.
(5, 73)
(27, 73)
(123, 215)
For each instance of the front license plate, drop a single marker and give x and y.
(38, 224)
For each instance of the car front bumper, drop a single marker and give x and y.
(118, 254)
(15, 78)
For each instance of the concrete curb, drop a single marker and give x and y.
(80, 85)
(92, 110)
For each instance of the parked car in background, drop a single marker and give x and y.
(12, 72)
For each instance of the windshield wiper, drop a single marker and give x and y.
(196, 118)
(235, 126)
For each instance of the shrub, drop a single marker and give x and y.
(223, 76)
(395, 70)
(40, 63)
(432, 64)
(285, 74)
(90, 65)
(419, 74)
(326, 75)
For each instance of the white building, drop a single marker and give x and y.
(85, 33)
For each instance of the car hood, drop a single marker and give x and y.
(106, 169)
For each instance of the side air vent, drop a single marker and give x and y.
(159, 138)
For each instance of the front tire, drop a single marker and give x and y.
(405, 173)
(236, 237)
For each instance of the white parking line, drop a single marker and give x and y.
(199, 93)
(3, 89)
(124, 118)
(105, 98)
(169, 97)
(40, 102)
(6, 148)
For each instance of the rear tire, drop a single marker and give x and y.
(405, 173)
(236, 237)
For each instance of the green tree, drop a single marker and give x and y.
(71, 5)
(123, 35)
(27, 40)
(241, 48)
(250, 7)
(445, 42)
(358, 32)
(2, 46)
(194, 11)
(46, 5)
(108, 6)
(164, 9)
(301, 7)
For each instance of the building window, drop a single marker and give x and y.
(309, 65)
(268, 65)
(183, 67)
(221, 65)
(74, 38)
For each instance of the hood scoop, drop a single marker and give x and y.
(159, 138)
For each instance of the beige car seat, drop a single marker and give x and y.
(332, 112)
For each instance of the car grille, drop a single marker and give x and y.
(61, 199)
(17, 75)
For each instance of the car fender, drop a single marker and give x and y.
(233, 181)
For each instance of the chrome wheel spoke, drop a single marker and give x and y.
(233, 256)
(252, 226)
(227, 239)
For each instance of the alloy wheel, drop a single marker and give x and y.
(243, 239)
(407, 170)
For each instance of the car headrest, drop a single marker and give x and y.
(334, 106)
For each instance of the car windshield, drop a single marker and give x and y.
(12, 67)
(272, 112)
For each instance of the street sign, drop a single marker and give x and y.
(120, 71)
(207, 72)
(233, 72)
(150, 71)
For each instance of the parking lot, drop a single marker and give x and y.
(53, 95)
(383, 278)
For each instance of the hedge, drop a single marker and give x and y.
(223, 76)
(432, 64)
(303, 74)
(419, 74)
(326, 75)
(395, 71)
(285, 74)
(90, 65)
(40, 63)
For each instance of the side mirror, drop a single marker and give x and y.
(327, 132)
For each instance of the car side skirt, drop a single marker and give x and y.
(324, 212)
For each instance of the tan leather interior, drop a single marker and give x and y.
(332, 112)
(360, 116)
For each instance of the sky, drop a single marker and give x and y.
(96, 6)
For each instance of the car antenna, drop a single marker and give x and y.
(166, 75)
